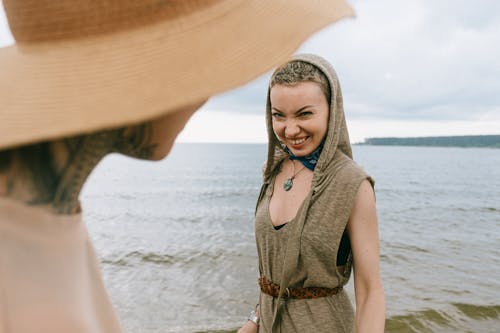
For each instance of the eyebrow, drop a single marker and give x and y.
(298, 111)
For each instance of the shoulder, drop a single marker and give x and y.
(351, 174)
(365, 196)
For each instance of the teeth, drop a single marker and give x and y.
(298, 141)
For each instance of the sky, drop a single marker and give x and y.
(406, 68)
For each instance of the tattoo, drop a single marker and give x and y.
(84, 153)
(136, 141)
(5, 159)
(41, 172)
(34, 176)
(38, 179)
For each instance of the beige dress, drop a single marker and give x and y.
(316, 267)
(50, 279)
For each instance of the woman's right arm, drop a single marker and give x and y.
(251, 326)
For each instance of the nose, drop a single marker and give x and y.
(292, 129)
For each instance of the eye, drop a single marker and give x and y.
(277, 115)
(305, 113)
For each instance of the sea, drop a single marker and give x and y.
(176, 238)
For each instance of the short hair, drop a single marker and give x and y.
(296, 71)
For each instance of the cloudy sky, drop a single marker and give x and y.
(407, 68)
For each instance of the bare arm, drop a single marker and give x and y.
(250, 326)
(363, 233)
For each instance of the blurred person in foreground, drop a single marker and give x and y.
(89, 78)
(315, 217)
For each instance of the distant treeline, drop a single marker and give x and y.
(439, 141)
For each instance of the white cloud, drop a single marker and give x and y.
(407, 58)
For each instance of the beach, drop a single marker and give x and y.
(177, 249)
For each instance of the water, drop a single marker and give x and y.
(178, 252)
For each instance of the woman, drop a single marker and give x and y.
(315, 216)
(49, 275)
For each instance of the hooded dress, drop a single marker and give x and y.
(304, 252)
(50, 280)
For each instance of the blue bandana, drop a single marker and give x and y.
(310, 160)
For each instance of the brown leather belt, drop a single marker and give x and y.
(273, 289)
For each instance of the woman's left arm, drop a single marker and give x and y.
(363, 234)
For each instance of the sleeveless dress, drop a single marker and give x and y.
(316, 267)
(50, 280)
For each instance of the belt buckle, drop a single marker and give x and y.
(287, 292)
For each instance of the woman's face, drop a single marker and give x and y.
(299, 116)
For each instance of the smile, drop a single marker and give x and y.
(298, 141)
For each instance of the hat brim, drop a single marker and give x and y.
(58, 89)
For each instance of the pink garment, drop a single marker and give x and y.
(50, 280)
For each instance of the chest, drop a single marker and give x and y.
(284, 204)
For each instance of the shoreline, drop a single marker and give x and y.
(459, 318)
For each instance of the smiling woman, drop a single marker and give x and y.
(315, 218)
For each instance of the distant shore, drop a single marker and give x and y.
(484, 141)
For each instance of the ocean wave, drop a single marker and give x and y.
(407, 247)
(138, 257)
(490, 209)
(459, 317)
(479, 311)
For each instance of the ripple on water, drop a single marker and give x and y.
(137, 257)
(457, 317)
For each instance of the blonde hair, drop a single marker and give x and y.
(296, 71)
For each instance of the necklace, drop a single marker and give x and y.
(288, 184)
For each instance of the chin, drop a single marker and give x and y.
(303, 152)
(161, 153)
(300, 153)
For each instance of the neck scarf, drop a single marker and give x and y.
(309, 161)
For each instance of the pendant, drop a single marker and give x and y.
(287, 184)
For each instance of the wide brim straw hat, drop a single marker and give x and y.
(84, 65)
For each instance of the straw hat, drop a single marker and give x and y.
(85, 65)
